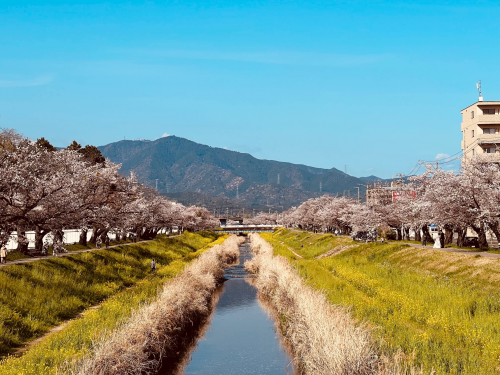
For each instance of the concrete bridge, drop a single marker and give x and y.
(237, 229)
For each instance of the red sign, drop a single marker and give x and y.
(399, 194)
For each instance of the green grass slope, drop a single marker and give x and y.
(42, 294)
(443, 307)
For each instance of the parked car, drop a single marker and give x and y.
(471, 242)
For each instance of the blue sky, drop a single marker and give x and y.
(374, 85)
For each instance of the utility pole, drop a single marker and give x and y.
(357, 187)
(278, 178)
(156, 184)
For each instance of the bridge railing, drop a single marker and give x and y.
(234, 230)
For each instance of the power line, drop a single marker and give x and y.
(449, 161)
(448, 157)
(415, 167)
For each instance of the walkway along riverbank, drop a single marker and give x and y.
(155, 332)
(34, 259)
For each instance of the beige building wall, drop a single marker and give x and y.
(481, 130)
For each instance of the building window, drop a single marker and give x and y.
(472, 114)
(489, 131)
(490, 111)
(472, 152)
(489, 150)
(472, 133)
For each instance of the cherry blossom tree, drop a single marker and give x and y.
(47, 190)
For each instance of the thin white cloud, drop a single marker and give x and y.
(39, 81)
(272, 57)
(442, 156)
(165, 135)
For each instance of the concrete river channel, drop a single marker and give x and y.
(240, 336)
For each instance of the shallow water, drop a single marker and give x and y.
(241, 337)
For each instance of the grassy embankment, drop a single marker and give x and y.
(40, 295)
(445, 307)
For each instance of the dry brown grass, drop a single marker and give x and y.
(399, 364)
(324, 338)
(155, 332)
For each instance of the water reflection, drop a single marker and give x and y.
(241, 337)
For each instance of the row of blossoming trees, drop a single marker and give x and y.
(43, 189)
(453, 201)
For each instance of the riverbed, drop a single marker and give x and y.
(240, 337)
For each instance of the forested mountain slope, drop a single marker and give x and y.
(181, 165)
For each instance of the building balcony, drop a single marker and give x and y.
(488, 139)
(488, 119)
(489, 157)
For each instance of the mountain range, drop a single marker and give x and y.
(194, 173)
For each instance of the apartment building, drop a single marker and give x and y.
(380, 193)
(481, 130)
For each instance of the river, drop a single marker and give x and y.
(240, 337)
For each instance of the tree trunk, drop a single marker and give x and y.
(147, 234)
(83, 237)
(22, 243)
(407, 233)
(448, 238)
(418, 237)
(494, 228)
(96, 232)
(58, 235)
(398, 233)
(39, 234)
(481, 235)
(103, 235)
(461, 237)
(426, 234)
